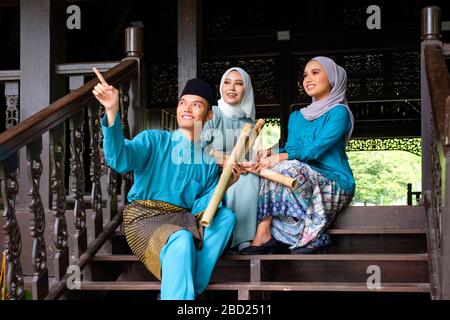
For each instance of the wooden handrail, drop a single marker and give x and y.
(439, 86)
(60, 110)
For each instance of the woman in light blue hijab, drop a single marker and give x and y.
(235, 108)
(315, 156)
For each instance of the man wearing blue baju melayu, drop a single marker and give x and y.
(173, 182)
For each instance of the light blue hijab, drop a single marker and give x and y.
(337, 76)
(246, 109)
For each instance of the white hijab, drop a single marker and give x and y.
(338, 81)
(247, 106)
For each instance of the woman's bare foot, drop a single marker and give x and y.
(263, 232)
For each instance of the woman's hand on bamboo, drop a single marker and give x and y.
(269, 162)
(247, 166)
(262, 154)
(236, 174)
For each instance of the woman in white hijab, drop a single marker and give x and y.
(314, 155)
(236, 107)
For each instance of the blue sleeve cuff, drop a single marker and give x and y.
(113, 133)
(278, 150)
(104, 122)
(294, 155)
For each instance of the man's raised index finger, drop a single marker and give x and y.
(99, 76)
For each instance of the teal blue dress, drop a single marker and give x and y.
(221, 133)
(317, 160)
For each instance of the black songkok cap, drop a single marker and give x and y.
(199, 88)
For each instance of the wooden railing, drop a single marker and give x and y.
(436, 162)
(70, 110)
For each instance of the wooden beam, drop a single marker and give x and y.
(84, 68)
(189, 35)
(9, 75)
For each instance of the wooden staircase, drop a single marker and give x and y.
(392, 239)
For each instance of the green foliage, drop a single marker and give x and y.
(28, 295)
(382, 176)
(270, 135)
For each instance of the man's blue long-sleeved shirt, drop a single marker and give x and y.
(167, 166)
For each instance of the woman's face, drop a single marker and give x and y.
(233, 88)
(315, 81)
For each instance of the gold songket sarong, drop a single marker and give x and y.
(150, 223)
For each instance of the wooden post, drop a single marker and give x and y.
(42, 32)
(134, 49)
(285, 73)
(189, 40)
(430, 35)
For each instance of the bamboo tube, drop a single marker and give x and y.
(237, 155)
(278, 177)
(267, 173)
(254, 134)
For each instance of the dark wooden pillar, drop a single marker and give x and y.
(42, 45)
(285, 76)
(189, 40)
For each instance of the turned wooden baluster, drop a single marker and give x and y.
(37, 223)
(76, 124)
(95, 168)
(124, 106)
(13, 239)
(9, 188)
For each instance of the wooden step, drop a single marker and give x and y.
(350, 231)
(354, 241)
(383, 229)
(363, 231)
(404, 268)
(262, 286)
(381, 217)
(376, 220)
(291, 257)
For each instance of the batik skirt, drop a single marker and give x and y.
(301, 216)
(148, 226)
